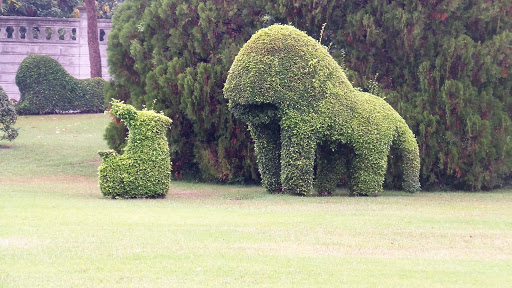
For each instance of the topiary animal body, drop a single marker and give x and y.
(298, 102)
(144, 170)
(46, 87)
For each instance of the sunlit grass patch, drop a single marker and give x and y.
(56, 229)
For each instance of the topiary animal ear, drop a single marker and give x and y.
(125, 112)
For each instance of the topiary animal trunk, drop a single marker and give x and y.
(299, 105)
(144, 170)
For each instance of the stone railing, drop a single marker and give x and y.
(28, 29)
(61, 38)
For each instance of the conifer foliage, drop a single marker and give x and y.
(443, 65)
(449, 64)
(174, 56)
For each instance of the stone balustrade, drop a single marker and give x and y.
(64, 39)
(25, 29)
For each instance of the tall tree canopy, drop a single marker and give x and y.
(39, 8)
(443, 65)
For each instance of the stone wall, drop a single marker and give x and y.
(64, 39)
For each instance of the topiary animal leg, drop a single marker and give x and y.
(267, 144)
(369, 170)
(406, 142)
(297, 160)
(110, 176)
(330, 164)
(411, 168)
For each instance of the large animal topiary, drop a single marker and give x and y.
(46, 88)
(144, 170)
(299, 105)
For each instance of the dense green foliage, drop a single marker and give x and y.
(8, 117)
(144, 170)
(443, 65)
(115, 135)
(173, 56)
(39, 8)
(46, 87)
(295, 97)
(54, 8)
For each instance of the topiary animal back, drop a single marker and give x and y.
(46, 88)
(299, 105)
(144, 169)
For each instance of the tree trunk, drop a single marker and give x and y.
(92, 39)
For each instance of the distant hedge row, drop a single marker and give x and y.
(46, 87)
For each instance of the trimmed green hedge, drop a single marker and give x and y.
(8, 117)
(299, 105)
(46, 88)
(144, 170)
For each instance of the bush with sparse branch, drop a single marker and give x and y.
(8, 117)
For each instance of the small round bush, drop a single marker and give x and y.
(46, 88)
(8, 118)
(144, 170)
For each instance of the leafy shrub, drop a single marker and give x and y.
(144, 170)
(7, 117)
(296, 98)
(46, 87)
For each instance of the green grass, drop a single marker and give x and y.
(56, 230)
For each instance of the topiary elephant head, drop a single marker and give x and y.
(299, 105)
(144, 170)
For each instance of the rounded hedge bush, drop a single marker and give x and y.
(46, 88)
(8, 117)
(144, 170)
(300, 106)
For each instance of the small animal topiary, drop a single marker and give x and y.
(46, 88)
(144, 170)
(299, 105)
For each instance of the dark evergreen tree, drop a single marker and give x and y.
(443, 65)
(173, 56)
(448, 63)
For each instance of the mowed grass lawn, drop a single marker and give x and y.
(56, 229)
